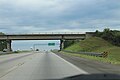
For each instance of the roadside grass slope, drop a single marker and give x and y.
(99, 45)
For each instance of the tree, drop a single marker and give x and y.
(107, 34)
(112, 36)
(3, 43)
(68, 43)
(97, 33)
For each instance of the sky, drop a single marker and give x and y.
(35, 44)
(33, 16)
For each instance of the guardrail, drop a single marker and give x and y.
(104, 54)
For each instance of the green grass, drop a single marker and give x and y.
(97, 45)
(91, 44)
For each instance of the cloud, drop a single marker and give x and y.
(58, 15)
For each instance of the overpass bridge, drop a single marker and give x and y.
(51, 36)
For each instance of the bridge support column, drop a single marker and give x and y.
(61, 44)
(9, 49)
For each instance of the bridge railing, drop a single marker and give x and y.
(48, 33)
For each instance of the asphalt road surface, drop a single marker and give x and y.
(38, 66)
(91, 66)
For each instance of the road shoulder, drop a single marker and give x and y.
(90, 66)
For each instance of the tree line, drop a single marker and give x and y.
(68, 43)
(113, 36)
(3, 43)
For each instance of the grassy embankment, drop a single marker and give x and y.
(99, 45)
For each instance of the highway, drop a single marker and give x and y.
(34, 66)
(41, 65)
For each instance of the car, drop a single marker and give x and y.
(37, 49)
(4, 50)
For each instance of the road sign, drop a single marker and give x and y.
(51, 44)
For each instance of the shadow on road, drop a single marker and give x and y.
(92, 77)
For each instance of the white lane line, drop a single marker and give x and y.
(82, 71)
(8, 71)
(11, 69)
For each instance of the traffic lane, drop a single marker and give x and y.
(8, 59)
(44, 66)
(91, 66)
(53, 67)
(11, 56)
(13, 60)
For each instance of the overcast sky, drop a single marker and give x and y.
(29, 16)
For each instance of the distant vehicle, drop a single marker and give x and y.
(4, 50)
(37, 49)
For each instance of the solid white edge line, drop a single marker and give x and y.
(84, 72)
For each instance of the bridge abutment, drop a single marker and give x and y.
(62, 44)
(9, 49)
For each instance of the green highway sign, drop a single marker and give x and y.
(51, 44)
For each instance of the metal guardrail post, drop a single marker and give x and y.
(105, 54)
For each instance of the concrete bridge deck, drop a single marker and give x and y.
(41, 36)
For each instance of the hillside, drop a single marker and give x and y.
(96, 45)
(91, 44)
